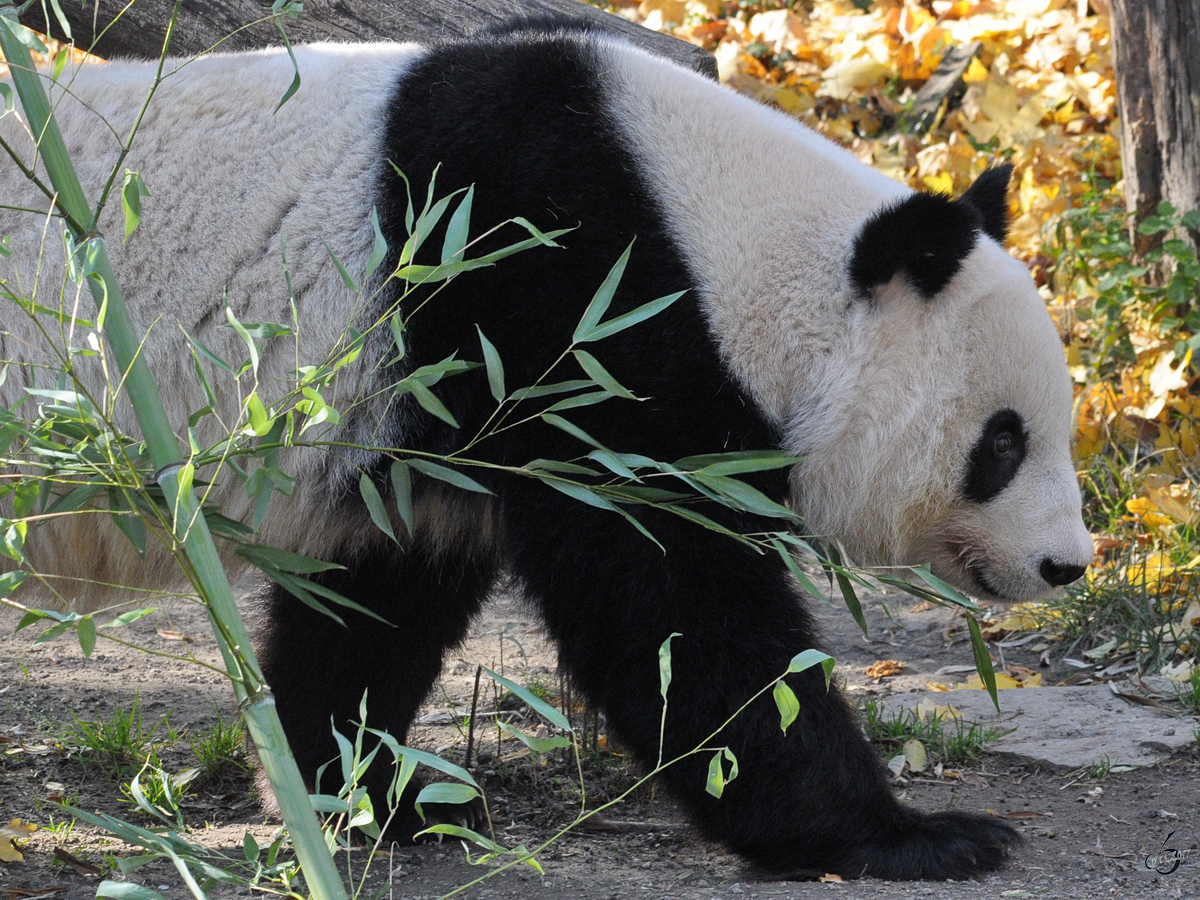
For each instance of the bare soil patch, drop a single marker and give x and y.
(1083, 837)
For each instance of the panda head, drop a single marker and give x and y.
(946, 430)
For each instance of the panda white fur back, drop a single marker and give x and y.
(228, 179)
(883, 335)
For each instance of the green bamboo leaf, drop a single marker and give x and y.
(347, 278)
(447, 792)
(580, 400)
(456, 232)
(9, 582)
(450, 476)
(380, 248)
(613, 463)
(132, 191)
(546, 390)
(571, 429)
(260, 421)
(495, 368)
(429, 218)
(786, 703)
(402, 489)
(295, 85)
(245, 335)
(63, 23)
(250, 849)
(806, 583)
(983, 660)
(284, 560)
(715, 784)
(664, 664)
(946, 590)
(742, 496)
(411, 755)
(738, 462)
(601, 375)
(466, 834)
(124, 890)
(396, 324)
(375, 507)
(307, 592)
(489, 259)
(86, 629)
(207, 354)
(76, 498)
(545, 239)
(846, 587)
(538, 745)
(584, 495)
(128, 617)
(602, 299)
(629, 319)
(428, 400)
(541, 707)
(25, 36)
(809, 658)
(554, 465)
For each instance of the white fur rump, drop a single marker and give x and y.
(234, 185)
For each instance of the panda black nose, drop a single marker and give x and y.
(1058, 574)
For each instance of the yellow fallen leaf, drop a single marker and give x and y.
(1169, 505)
(915, 755)
(976, 72)
(927, 709)
(1146, 512)
(939, 184)
(16, 830)
(842, 78)
(1003, 683)
(795, 102)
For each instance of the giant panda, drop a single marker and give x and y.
(883, 337)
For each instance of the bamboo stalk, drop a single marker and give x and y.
(254, 697)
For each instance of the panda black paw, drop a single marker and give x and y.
(406, 824)
(471, 815)
(941, 846)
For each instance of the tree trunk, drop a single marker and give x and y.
(99, 27)
(1157, 58)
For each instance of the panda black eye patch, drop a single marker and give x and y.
(996, 456)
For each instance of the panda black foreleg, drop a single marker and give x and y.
(813, 799)
(318, 669)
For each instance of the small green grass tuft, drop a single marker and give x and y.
(947, 739)
(1188, 692)
(1099, 770)
(121, 743)
(220, 750)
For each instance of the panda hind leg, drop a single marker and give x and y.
(319, 669)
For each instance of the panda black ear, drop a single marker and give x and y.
(927, 236)
(989, 195)
(924, 236)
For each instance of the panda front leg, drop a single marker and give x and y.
(319, 669)
(815, 799)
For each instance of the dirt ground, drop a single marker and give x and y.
(1084, 838)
